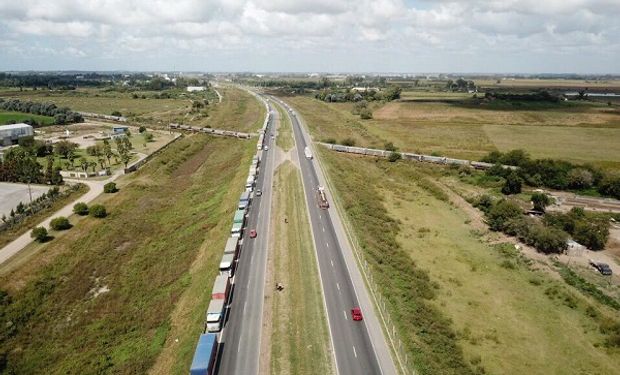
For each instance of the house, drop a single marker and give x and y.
(195, 88)
(10, 134)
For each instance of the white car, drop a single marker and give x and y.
(266, 148)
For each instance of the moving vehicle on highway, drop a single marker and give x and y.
(321, 197)
(266, 148)
(259, 192)
(204, 356)
(356, 314)
(253, 233)
(307, 153)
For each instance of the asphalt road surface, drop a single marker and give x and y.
(240, 339)
(355, 349)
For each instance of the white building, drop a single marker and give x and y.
(195, 88)
(10, 134)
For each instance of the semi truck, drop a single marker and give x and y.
(244, 200)
(307, 153)
(215, 315)
(221, 287)
(205, 354)
(249, 183)
(232, 246)
(236, 230)
(227, 265)
(321, 197)
(239, 217)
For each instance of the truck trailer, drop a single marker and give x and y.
(205, 354)
(221, 288)
(232, 246)
(227, 265)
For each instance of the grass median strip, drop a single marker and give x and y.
(285, 130)
(299, 336)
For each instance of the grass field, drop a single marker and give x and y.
(238, 111)
(566, 131)
(142, 253)
(285, 130)
(7, 117)
(462, 305)
(299, 335)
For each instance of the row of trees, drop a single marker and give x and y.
(555, 174)
(332, 95)
(61, 115)
(460, 85)
(20, 165)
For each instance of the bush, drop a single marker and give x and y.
(330, 141)
(116, 113)
(513, 184)
(394, 156)
(39, 234)
(80, 208)
(110, 187)
(501, 212)
(389, 146)
(142, 129)
(365, 114)
(540, 201)
(148, 137)
(348, 142)
(60, 223)
(98, 211)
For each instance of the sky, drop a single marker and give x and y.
(400, 36)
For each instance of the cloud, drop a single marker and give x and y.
(440, 29)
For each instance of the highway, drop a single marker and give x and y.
(357, 349)
(240, 340)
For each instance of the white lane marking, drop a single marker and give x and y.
(338, 286)
(354, 352)
(323, 229)
(244, 305)
(345, 315)
(332, 262)
(327, 244)
(320, 216)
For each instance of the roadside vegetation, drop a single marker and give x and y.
(100, 300)
(285, 130)
(12, 231)
(457, 294)
(297, 347)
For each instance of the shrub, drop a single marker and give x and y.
(394, 156)
(513, 184)
(110, 187)
(540, 201)
(148, 137)
(330, 140)
(116, 113)
(98, 211)
(80, 208)
(348, 142)
(483, 203)
(389, 146)
(501, 212)
(142, 129)
(39, 234)
(60, 223)
(365, 114)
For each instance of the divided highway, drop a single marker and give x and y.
(359, 346)
(240, 339)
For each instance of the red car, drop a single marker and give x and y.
(253, 233)
(356, 313)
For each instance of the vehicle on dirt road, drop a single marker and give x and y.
(603, 268)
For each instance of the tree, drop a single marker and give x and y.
(127, 143)
(580, 178)
(610, 185)
(64, 147)
(49, 169)
(512, 185)
(389, 146)
(107, 150)
(110, 187)
(98, 211)
(60, 223)
(142, 129)
(84, 164)
(39, 234)
(540, 201)
(148, 137)
(592, 233)
(71, 155)
(501, 212)
(394, 156)
(80, 208)
(93, 165)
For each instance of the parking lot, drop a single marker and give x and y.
(11, 194)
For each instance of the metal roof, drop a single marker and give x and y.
(21, 125)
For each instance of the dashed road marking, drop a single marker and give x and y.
(354, 352)
(345, 315)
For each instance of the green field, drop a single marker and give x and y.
(566, 131)
(285, 130)
(297, 347)
(461, 304)
(8, 117)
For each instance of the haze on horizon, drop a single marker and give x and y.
(518, 36)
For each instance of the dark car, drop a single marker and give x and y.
(603, 268)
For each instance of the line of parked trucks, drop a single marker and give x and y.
(208, 343)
